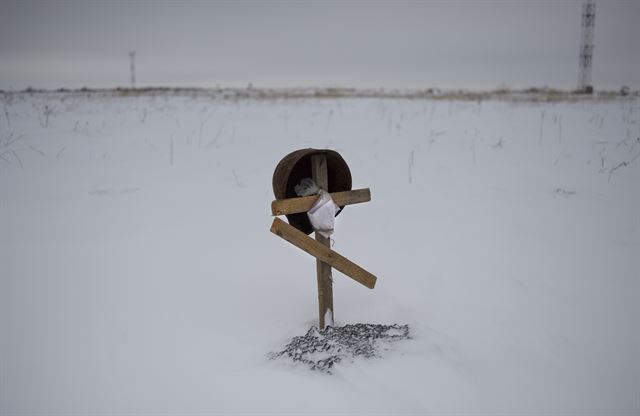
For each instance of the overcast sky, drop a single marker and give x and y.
(452, 44)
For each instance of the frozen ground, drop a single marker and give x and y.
(138, 274)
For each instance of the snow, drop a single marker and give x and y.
(138, 273)
(328, 315)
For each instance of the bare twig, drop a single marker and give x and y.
(430, 145)
(11, 140)
(215, 139)
(601, 152)
(557, 159)
(411, 160)
(621, 165)
(47, 112)
(202, 123)
(17, 158)
(237, 179)
(4, 158)
(560, 129)
(541, 127)
(498, 145)
(40, 152)
(329, 119)
(60, 152)
(564, 192)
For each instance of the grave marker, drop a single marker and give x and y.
(331, 173)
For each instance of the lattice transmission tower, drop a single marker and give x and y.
(586, 46)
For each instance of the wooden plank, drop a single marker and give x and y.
(304, 203)
(319, 251)
(319, 174)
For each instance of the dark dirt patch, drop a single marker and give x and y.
(320, 350)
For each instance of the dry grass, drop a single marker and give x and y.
(503, 94)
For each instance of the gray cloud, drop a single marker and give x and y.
(367, 44)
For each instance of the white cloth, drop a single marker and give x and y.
(323, 214)
(306, 187)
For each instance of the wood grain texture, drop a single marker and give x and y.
(320, 176)
(304, 203)
(320, 251)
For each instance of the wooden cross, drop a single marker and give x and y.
(320, 248)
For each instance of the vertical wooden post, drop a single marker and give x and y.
(325, 287)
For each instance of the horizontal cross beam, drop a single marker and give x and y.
(322, 253)
(304, 203)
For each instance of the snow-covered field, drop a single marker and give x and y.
(138, 274)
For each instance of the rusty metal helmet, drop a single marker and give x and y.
(296, 166)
